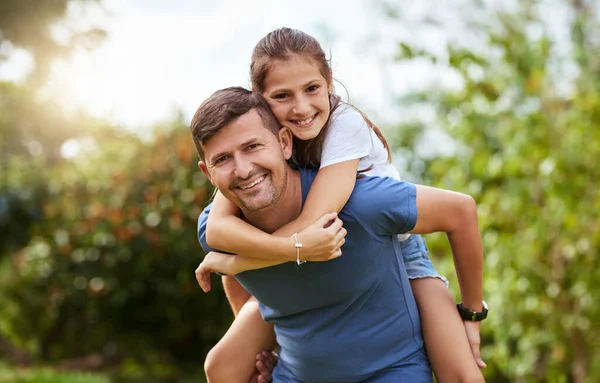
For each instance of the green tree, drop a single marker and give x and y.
(32, 130)
(113, 260)
(526, 126)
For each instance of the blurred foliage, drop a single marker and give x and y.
(97, 251)
(113, 259)
(525, 124)
(32, 129)
(47, 375)
(31, 25)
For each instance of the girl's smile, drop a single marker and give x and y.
(298, 95)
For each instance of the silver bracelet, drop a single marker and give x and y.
(298, 245)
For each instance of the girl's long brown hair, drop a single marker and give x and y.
(283, 44)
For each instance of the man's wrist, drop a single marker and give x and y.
(473, 315)
(473, 305)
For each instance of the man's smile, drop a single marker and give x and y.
(251, 184)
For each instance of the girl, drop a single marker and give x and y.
(290, 70)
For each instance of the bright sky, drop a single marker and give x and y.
(161, 55)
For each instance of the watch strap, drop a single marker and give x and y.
(473, 316)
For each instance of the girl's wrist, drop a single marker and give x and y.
(231, 264)
(287, 248)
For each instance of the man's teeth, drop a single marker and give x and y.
(307, 121)
(259, 180)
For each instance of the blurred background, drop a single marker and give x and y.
(100, 191)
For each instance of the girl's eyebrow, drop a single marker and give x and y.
(279, 90)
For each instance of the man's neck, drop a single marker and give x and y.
(285, 210)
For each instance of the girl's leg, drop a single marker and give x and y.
(233, 359)
(445, 338)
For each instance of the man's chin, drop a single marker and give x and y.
(254, 206)
(252, 203)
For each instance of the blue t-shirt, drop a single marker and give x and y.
(353, 317)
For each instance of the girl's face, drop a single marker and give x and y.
(299, 96)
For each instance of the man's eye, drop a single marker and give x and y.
(280, 96)
(252, 146)
(220, 160)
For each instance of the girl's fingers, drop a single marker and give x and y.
(203, 278)
(206, 282)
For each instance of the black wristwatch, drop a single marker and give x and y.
(472, 316)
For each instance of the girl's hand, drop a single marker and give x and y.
(322, 241)
(213, 263)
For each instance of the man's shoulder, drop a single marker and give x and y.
(376, 186)
(384, 204)
(368, 191)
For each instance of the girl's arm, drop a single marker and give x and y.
(223, 220)
(329, 193)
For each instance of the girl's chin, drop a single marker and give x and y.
(305, 136)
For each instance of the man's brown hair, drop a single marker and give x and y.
(225, 106)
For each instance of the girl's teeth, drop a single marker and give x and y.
(307, 121)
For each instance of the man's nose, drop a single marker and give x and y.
(243, 167)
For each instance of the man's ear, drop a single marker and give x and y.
(204, 169)
(287, 142)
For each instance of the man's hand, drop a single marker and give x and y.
(213, 262)
(322, 241)
(472, 329)
(265, 363)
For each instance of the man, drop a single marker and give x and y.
(353, 318)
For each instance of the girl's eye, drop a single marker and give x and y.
(312, 88)
(280, 96)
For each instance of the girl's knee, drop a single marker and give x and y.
(215, 367)
(223, 365)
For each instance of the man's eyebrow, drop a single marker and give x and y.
(249, 141)
(214, 157)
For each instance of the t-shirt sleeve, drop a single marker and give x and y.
(384, 205)
(202, 220)
(348, 138)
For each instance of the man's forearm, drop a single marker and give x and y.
(455, 214)
(467, 251)
(240, 263)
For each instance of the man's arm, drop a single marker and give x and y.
(235, 293)
(455, 214)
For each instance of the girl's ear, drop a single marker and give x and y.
(330, 82)
(287, 142)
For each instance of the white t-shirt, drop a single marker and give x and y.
(349, 138)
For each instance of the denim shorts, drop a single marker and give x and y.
(416, 259)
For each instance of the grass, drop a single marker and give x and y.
(10, 374)
(47, 374)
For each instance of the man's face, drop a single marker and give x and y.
(247, 162)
